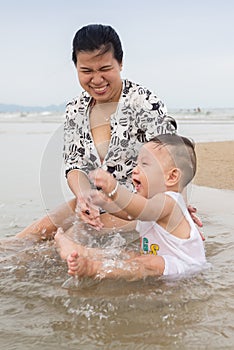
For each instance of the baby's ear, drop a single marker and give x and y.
(173, 176)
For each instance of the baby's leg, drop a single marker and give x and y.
(66, 244)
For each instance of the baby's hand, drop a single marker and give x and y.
(99, 198)
(102, 179)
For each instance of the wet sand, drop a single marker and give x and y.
(215, 165)
(37, 312)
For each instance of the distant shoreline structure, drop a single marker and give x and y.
(13, 108)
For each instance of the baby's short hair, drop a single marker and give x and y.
(182, 152)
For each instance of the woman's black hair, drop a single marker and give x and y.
(97, 37)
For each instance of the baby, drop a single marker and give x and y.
(170, 242)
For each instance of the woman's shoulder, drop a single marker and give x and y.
(79, 104)
(83, 99)
(140, 97)
(130, 87)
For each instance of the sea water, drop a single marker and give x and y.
(195, 312)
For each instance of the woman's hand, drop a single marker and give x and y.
(196, 219)
(88, 212)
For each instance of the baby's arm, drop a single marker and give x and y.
(99, 198)
(136, 206)
(135, 268)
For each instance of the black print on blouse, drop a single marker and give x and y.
(140, 116)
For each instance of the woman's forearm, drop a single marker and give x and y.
(78, 182)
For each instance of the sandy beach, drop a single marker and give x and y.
(215, 165)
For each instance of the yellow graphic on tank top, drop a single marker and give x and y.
(153, 249)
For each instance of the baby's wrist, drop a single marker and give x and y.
(113, 192)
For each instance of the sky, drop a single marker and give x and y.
(182, 50)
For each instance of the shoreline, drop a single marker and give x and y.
(215, 165)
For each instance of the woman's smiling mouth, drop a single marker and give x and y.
(100, 90)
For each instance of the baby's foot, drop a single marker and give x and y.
(72, 262)
(64, 244)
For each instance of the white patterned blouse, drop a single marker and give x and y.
(140, 115)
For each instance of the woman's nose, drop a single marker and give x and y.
(97, 78)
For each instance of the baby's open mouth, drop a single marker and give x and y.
(137, 184)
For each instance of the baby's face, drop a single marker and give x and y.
(150, 174)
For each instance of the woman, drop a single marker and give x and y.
(105, 126)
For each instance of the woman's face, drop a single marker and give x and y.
(99, 75)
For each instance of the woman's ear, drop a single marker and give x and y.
(173, 177)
